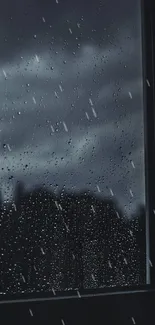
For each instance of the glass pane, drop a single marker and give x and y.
(72, 146)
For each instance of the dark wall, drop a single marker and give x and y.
(119, 309)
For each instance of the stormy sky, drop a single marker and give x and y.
(71, 102)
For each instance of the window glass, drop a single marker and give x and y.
(72, 204)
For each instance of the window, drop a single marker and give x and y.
(72, 147)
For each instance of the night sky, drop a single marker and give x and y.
(71, 102)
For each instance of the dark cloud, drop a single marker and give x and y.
(71, 97)
(36, 24)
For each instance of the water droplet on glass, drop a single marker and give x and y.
(56, 95)
(4, 73)
(133, 165)
(87, 116)
(98, 189)
(130, 94)
(94, 112)
(70, 31)
(110, 264)
(34, 100)
(37, 59)
(111, 192)
(90, 101)
(65, 126)
(42, 251)
(60, 87)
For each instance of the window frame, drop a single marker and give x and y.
(148, 47)
(148, 55)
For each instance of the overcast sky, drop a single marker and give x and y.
(71, 107)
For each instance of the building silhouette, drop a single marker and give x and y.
(68, 241)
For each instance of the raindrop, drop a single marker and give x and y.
(56, 95)
(131, 193)
(110, 264)
(87, 116)
(93, 277)
(57, 205)
(53, 291)
(94, 112)
(42, 251)
(130, 94)
(133, 165)
(65, 126)
(31, 313)
(125, 260)
(37, 59)
(150, 263)
(148, 82)
(34, 100)
(98, 189)
(23, 278)
(70, 31)
(133, 320)
(60, 206)
(90, 101)
(4, 73)
(43, 19)
(14, 205)
(62, 321)
(117, 214)
(93, 208)
(111, 192)
(78, 293)
(67, 228)
(8, 146)
(52, 128)
(60, 88)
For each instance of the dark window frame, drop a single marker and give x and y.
(148, 47)
(148, 40)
